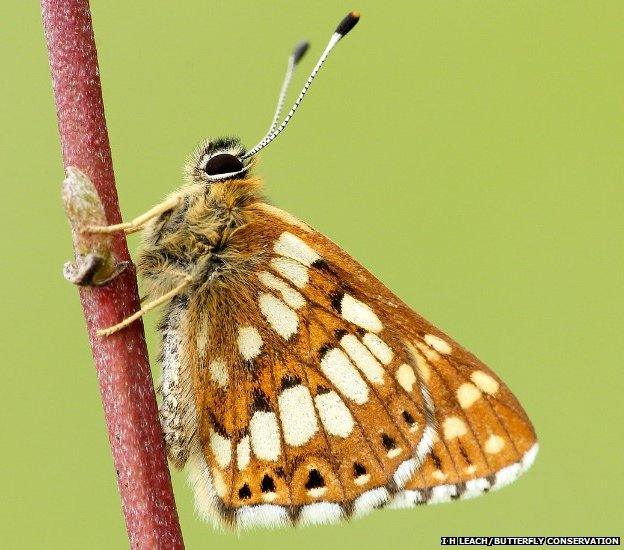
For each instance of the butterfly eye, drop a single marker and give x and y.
(223, 163)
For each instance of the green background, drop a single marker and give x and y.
(468, 153)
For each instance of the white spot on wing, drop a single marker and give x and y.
(405, 499)
(529, 457)
(484, 382)
(218, 372)
(441, 346)
(249, 342)
(317, 492)
(359, 313)
(362, 358)
(406, 377)
(381, 350)
(370, 500)
(297, 415)
(265, 438)
(467, 394)
(362, 480)
(319, 513)
(475, 487)
(243, 453)
(439, 475)
(337, 367)
(507, 475)
(494, 444)
(334, 414)
(283, 319)
(221, 449)
(266, 515)
(392, 453)
(293, 247)
(454, 427)
(293, 298)
(295, 272)
(442, 493)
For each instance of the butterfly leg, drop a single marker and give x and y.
(147, 307)
(137, 223)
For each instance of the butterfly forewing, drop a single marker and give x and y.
(320, 395)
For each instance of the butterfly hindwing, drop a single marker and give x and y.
(319, 395)
(484, 439)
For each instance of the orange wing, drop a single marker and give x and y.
(319, 395)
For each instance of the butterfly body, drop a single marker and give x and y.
(296, 387)
(200, 235)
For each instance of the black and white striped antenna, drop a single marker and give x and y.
(341, 30)
(294, 58)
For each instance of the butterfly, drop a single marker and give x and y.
(296, 388)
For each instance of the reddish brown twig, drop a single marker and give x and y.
(121, 360)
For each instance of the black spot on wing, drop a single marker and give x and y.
(436, 460)
(336, 299)
(324, 349)
(408, 418)
(216, 425)
(289, 381)
(388, 442)
(464, 453)
(244, 492)
(315, 480)
(267, 485)
(260, 401)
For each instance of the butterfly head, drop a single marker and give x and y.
(218, 160)
(226, 158)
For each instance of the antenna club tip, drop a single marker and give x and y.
(300, 50)
(348, 23)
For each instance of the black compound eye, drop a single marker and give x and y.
(223, 163)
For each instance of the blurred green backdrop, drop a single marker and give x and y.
(469, 153)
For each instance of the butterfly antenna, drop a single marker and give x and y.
(341, 30)
(294, 58)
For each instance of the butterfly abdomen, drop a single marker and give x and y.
(177, 411)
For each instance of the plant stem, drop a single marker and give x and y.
(121, 360)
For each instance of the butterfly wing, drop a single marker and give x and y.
(320, 396)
